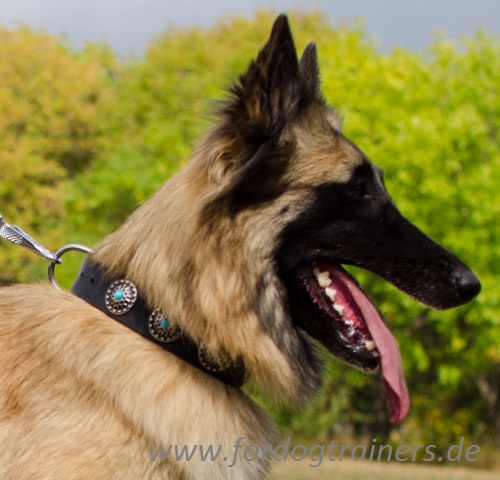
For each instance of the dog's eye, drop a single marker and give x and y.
(360, 190)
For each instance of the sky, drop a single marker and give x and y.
(130, 25)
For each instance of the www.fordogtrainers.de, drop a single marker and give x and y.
(316, 453)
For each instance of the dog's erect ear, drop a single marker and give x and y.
(273, 90)
(270, 89)
(309, 72)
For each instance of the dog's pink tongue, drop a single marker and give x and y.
(391, 364)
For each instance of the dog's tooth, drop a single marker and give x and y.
(370, 345)
(331, 293)
(339, 309)
(323, 278)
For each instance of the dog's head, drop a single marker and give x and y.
(275, 201)
(287, 144)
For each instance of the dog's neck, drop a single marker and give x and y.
(120, 299)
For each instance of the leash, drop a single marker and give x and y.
(120, 300)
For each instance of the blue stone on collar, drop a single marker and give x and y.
(160, 328)
(120, 297)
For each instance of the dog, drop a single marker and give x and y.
(230, 273)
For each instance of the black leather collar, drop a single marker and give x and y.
(120, 300)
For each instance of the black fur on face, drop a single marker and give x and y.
(357, 223)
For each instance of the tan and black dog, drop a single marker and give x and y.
(231, 271)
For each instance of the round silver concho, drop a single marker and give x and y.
(161, 329)
(120, 297)
(214, 362)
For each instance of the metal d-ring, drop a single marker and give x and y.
(72, 247)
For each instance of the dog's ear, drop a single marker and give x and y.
(269, 90)
(251, 157)
(309, 72)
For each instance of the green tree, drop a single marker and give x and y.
(50, 130)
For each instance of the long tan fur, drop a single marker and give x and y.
(82, 397)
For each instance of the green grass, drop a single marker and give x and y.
(350, 470)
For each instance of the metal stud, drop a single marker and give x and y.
(214, 362)
(161, 329)
(120, 297)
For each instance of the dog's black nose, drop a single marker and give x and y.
(467, 283)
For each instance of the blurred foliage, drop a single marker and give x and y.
(50, 131)
(84, 138)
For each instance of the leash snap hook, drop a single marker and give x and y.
(72, 247)
(19, 237)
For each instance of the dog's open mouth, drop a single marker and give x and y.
(346, 321)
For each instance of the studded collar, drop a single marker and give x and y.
(120, 299)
